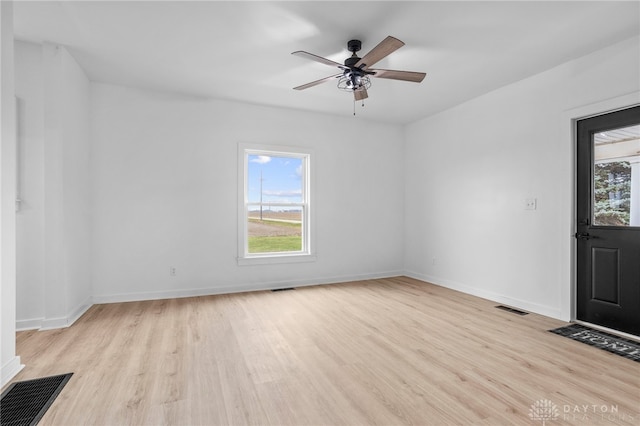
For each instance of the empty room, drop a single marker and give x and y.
(320, 213)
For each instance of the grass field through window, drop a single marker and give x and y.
(274, 244)
(274, 235)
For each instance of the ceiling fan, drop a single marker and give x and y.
(354, 74)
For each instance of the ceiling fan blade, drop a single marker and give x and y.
(317, 58)
(315, 83)
(386, 46)
(360, 94)
(416, 77)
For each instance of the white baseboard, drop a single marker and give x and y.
(240, 288)
(80, 310)
(495, 297)
(63, 322)
(29, 324)
(10, 369)
(54, 323)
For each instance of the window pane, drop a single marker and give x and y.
(274, 179)
(612, 195)
(616, 177)
(274, 230)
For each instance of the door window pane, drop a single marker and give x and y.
(616, 177)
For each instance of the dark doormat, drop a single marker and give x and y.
(24, 403)
(610, 343)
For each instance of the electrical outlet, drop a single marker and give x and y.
(172, 271)
(530, 204)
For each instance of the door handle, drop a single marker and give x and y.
(582, 235)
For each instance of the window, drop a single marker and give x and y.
(274, 209)
(616, 177)
(612, 193)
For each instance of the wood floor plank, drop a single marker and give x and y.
(388, 352)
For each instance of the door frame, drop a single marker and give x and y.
(569, 133)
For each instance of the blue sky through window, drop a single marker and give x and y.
(281, 180)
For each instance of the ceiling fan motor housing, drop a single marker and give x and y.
(351, 62)
(354, 45)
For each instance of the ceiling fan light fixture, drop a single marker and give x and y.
(351, 82)
(355, 74)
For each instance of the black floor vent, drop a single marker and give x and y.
(24, 403)
(284, 289)
(513, 311)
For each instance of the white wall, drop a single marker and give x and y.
(165, 194)
(469, 170)
(30, 217)
(9, 362)
(73, 105)
(54, 279)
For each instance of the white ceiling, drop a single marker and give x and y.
(242, 50)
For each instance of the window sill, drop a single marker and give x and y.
(275, 259)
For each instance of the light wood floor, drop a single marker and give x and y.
(386, 352)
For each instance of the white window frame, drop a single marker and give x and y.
(307, 254)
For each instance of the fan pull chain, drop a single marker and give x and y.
(354, 107)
